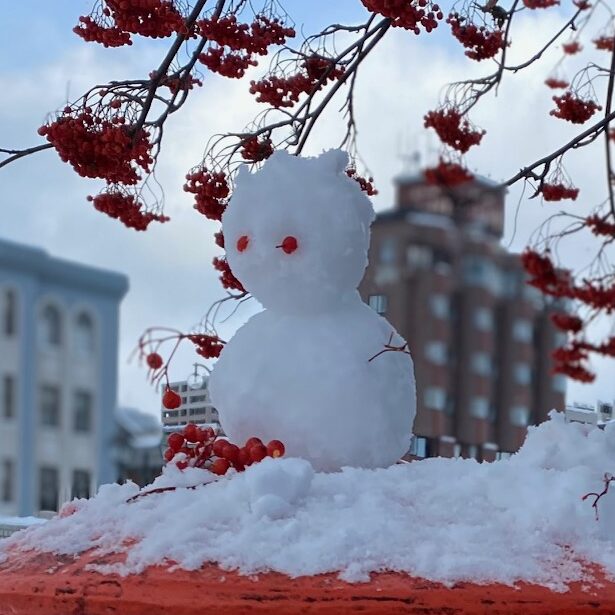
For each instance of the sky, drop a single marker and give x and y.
(42, 201)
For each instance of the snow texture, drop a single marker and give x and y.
(447, 520)
(300, 371)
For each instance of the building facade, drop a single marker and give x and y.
(59, 324)
(196, 406)
(480, 338)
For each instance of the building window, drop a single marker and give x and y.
(480, 271)
(378, 303)
(50, 406)
(519, 416)
(481, 363)
(419, 257)
(523, 374)
(49, 488)
(483, 319)
(523, 330)
(82, 412)
(8, 481)
(51, 326)
(418, 446)
(436, 352)
(9, 313)
(440, 306)
(435, 398)
(197, 398)
(8, 396)
(388, 251)
(81, 484)
(479, 407)
(84, 334)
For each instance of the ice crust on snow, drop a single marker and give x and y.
(300, 371)
(446, 520)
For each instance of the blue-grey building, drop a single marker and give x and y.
(59, 325)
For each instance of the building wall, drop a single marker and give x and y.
(196, 406)
(40, 283)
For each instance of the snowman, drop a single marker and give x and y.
(310, 368)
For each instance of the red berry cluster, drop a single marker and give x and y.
(567, 322)
(219, 239)
(202, 448)
(572, 108)
(568, 360)
(211, 191)
(572, 48)
(540, 4)
(556, 84)
(282, 92)
(600, 226)
(606, 43)
(408, 14)
(481, 43)
(583, 5)
(254, 150)
(227, 63)
(101, 148)
(208, 346)
(448, 174)
(544, 275)
(108, 36)
(366, 184)
(227, 278)
(126, 208)
(558, 192)
(453, 129)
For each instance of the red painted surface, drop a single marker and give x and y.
(42, 584)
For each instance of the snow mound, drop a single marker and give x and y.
(446, 520)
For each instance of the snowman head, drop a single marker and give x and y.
(296, 232)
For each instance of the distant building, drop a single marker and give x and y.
(138, 446)
(481, 338)
(599, 414)
(58, 378)
(196, 406)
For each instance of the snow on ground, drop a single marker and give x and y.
(446, 520)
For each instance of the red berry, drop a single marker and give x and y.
(154, 360)
(275, 448)
(242, 243)
(182, 465)
(258, 452)
(220, 466)
(289, 244)
(252, 441)
(231, 452)
(244, 457)
(169, 453)
(209, 433)
(191, 432)
(171, 400)
(175, 441)
(219, 446)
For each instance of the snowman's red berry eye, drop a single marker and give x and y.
(242, 243)
(289, 244)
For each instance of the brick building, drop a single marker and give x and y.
(480, 337)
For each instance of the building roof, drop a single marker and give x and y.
(36, 261)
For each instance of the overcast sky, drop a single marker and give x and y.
(42, 201)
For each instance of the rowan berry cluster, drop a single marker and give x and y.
(481, 43)
(453, 129)
(219, 239)
(572, 108)
(282, 92)
(99, 148)
(600, 226)
(572, 48)
(606, 43)
(540, 4)
(567, 322)
(211, 191)
(227, 63)
(108, 36)
(208, 346)
(448, 174)
(198, 447)
(567, 361)
(558, 192)
(366, 184)
(227, 278)
(544, 275)
(254, 150)
(126, 208)
(407, 14)
(582, 5)
(556, 84)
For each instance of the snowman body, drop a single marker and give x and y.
(309, 370)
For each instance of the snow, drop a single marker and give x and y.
(300, 371)
(447, 520)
